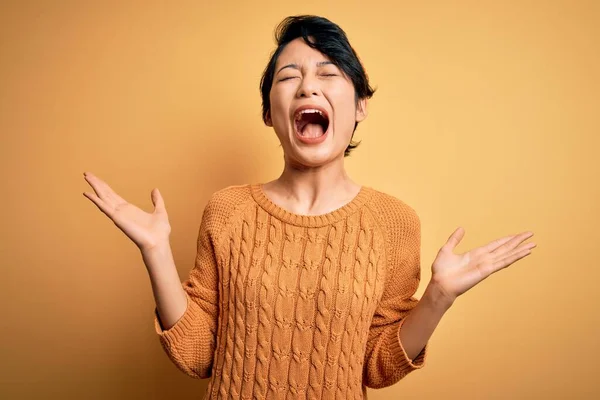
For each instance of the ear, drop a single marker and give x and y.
(361, 110)
(268, 120)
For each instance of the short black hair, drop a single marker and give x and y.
(329, 39)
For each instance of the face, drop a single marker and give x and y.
(313, 106)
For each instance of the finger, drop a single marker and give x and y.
(105, 208)
(157, 200)
(512, 243)
(493, 245)
(96, 184)
(510, 252)
(103, 190)
(455, 238)
(100, 187)
(511, 258)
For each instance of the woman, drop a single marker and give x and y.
(303, 286)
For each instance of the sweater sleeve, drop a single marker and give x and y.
(386, 361)
(191, 342)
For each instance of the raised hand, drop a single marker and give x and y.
(457, 273)
(146, 230)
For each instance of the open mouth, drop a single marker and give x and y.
(311, 123)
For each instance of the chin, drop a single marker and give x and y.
(311, 155)
(315, 157)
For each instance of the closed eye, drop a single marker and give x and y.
(292, 77)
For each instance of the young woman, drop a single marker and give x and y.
(303, 286)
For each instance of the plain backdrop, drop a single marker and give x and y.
(485, 116)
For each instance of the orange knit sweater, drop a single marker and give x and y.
(282, 305)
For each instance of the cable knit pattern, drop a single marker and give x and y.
(282, 305)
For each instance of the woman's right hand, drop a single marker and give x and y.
(146, 230)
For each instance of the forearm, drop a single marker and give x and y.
(422, 320)
(171, 301)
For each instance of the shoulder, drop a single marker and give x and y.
(401, 227)
(230, 196)
(224, 203)
(392, 213)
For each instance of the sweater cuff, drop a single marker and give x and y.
(180, 329)
(404, 362)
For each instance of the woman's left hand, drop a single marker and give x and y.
(454, 274)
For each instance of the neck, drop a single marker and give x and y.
(313, 190)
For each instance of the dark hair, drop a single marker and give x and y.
(329, 39)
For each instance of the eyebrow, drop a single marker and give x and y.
(295, 66)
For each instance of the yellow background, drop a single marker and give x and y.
(486, 117)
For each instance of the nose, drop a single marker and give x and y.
(309, 86)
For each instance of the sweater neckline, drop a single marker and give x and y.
(311, 221)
